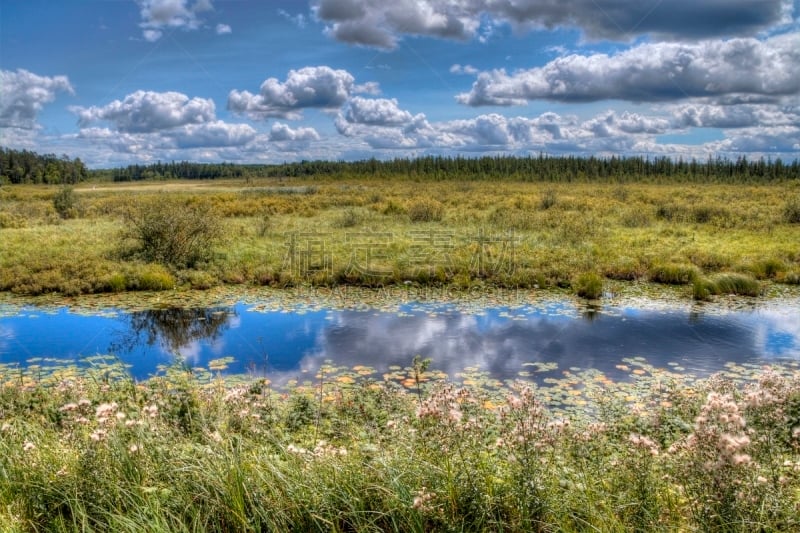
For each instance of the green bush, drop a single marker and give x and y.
(178, 234)
(66, 203)
(426, 210)
(791, 213)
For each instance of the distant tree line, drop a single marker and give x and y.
(179, 170)
(531, 168)
(23, 166)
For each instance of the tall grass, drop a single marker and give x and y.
(183, 452)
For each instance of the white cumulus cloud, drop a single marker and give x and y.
(652, 72)
(318, 87)
(147, 111)
(24, 94)
(282, 132)
(160, 14)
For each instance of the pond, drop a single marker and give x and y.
(505, 342)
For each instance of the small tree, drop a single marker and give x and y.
(65, 202)
(173, 233)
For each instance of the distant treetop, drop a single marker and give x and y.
(23, 166)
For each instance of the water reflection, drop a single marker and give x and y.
(285, 345)
(174, 330)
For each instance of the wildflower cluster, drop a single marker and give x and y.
(364, 456)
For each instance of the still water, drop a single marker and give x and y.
(286, 344)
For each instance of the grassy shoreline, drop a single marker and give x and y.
(290, 232)
(347, 451)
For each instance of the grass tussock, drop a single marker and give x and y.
(725, 284)
(589, 285)
(425, 210)
(184, 451)
(673, 274)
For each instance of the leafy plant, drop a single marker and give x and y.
(178, 234)
(65, 202)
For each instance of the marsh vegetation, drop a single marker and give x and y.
(411, 451)
(106, 237)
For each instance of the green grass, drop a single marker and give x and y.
(373, 233)
(589, 286)
(350, 450)
(726, 284)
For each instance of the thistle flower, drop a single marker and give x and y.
(643, 442)
(104, 410)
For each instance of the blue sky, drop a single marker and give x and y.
(134, 81)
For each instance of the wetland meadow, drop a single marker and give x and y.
(327, 353)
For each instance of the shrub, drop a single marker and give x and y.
(65, 202)
(172, 233)
(350, 218)
(791, 213)
(426, 210)
(670, 212)
(703, 214)
(589, 285)
(393, 208)
(548, 200)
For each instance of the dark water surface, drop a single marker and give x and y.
(502, 341)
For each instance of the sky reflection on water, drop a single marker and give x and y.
(290, 344)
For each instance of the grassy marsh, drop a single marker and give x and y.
(371, 232)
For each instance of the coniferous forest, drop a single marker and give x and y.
(23, 166)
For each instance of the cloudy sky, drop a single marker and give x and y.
(122, 81)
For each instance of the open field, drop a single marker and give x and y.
(714, 239)
(409, 451)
